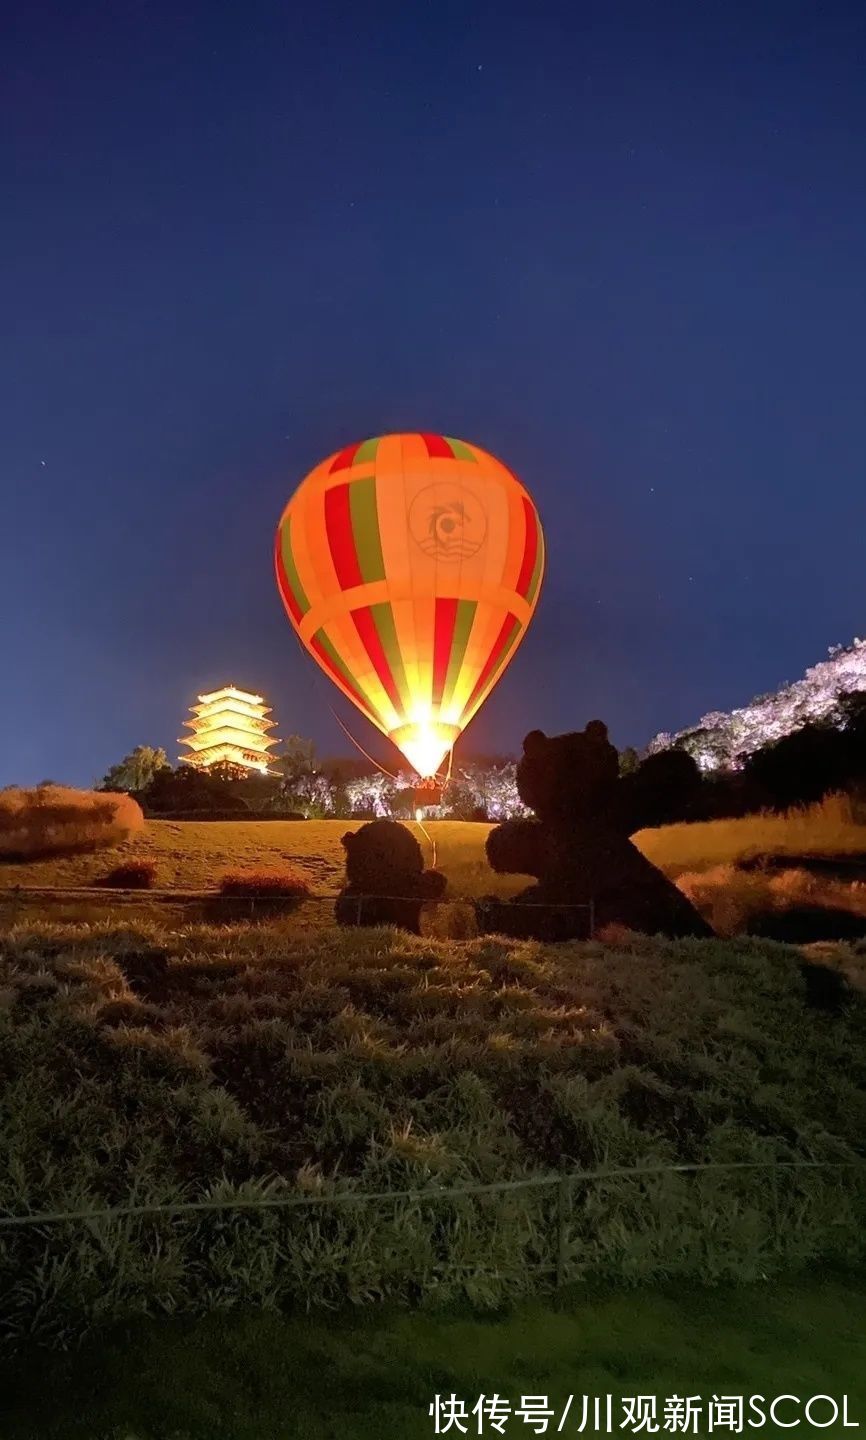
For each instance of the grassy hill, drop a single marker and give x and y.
(162, 1065)
(191, 855)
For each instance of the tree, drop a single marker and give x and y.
(297, 761)
(628, 760)
(136, 770)
(303, 785)
(802, 767)
(189, 788)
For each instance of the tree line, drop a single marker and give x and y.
(796, 769)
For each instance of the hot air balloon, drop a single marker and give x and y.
(410, 567)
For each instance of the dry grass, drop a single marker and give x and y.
(831, 828)
(730, 898)
(194, 855)
(52, 820)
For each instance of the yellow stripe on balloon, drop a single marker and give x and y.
(451, 529)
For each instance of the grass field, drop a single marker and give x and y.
(199, 1063)
(262, 1377)
(831, 828)
(192, 855)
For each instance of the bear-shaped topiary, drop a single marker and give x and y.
(578, 849)
(386, 883)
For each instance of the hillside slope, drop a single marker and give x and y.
(722, 739)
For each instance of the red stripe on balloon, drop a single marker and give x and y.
(341, 537)
(438, 447)
(319, 650)
(283, 585)
(345, 458)
(530, 549)
(490, 663)
(443, 639)
(366, 628)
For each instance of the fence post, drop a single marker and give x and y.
(563, 1213)
(360, 903)
(776, 1227)
(591, 917)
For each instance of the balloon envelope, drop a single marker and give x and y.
(410, 566)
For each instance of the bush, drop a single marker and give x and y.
(782, 902)
(134, 875)
(190, 789)
(141, 1065)
(264, 884)
(386, 883)
(57, 820)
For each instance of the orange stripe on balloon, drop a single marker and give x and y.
(324, 659)
(501, 641)
(366, 628)
(341, 538)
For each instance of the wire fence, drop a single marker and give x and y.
(65, 1271)
(565, 1180)
(359, 909)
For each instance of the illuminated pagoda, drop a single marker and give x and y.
(230, 726)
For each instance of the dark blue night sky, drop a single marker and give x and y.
(622, 246)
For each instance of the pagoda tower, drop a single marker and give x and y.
(229, 725)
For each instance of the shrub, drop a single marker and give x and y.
(190, 789)
(134, 875)
(386, 883)
(789, 903)
(264, 884)
(57, 819)
(143, 1066)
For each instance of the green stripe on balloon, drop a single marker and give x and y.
(365, 528)
(461, 449)
(462, 629)
(366, 451)
(539, 566)
(291, 568)
(338, 665)
(383, 619)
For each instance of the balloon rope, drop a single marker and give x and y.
(430, 841)
(316, 680)
(359, 746)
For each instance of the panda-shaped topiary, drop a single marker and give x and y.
(578, 848)
(386, 883)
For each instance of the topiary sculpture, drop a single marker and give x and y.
(578, 847)
(386, 883)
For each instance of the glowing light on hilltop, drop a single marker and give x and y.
(229, 726)
(723, 740)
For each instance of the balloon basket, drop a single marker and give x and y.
(427, 793)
